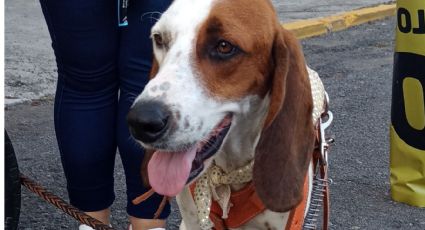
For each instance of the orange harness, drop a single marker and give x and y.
(246, 205)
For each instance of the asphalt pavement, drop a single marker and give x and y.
(356, 67)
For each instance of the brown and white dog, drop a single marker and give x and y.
(229, 87)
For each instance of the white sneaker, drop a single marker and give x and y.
(131, 228)
(86, 227)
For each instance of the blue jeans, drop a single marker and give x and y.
(101, 69)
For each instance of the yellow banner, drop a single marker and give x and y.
(407, 172)
(407, 132)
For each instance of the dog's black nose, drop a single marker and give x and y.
(148, 120)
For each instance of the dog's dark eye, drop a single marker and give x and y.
(224, 47)
(158, 40)
(224, 50)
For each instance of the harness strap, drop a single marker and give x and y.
(218, 222)
(245, 205)
(321, 165)
(322, 170)
(296, 217)
(324, 167)
(324, 175)
(146, 196)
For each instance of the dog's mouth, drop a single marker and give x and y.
(209, 147)
(169, 172)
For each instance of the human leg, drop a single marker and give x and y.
(134, 66)
(84, 38)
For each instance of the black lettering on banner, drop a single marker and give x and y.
(421, 20)
(406, 65)
(407, 19)
(403, 15)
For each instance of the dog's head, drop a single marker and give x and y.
(224, 69)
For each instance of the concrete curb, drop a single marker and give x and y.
(318, 26)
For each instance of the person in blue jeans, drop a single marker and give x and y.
(102, 67)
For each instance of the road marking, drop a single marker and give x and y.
(323, 25)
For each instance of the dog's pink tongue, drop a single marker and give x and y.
(168, 171)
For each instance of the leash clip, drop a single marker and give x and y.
(325, 121)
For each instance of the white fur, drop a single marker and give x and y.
(185, 97)
(179, 87)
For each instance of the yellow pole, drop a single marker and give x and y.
(407, 131)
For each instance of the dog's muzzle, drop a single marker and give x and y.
(148, 121)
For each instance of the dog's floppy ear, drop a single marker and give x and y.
(154, 69)
(286, 143)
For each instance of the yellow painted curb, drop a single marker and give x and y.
(318, 26)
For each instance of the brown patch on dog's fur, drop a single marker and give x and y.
(248, 72)
(154, 69)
